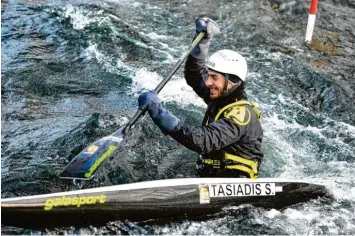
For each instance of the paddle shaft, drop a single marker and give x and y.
(161, 85)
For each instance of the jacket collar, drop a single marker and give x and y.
(236, 95)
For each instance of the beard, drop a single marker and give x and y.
(215, 93)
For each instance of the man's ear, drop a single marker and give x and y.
(230, 85)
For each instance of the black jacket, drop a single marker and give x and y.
(225, 135)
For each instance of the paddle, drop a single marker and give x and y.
(87, 162)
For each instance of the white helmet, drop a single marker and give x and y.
(228, 62)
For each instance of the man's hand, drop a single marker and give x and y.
(162, 118)
(211, 28)
(148, 101)
(207, 25)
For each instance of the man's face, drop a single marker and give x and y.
(215, 83)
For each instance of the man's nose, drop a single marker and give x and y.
(208, 81)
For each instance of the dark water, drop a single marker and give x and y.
(72, 72)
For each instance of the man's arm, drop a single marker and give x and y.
(237, 125)
(218, 134)
(195, 69)
(195, 74)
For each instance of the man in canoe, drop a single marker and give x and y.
(229, 140)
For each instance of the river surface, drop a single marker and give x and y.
(71, 72)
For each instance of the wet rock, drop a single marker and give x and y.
(293, 7)
(289, 6)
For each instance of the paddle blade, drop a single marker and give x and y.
(87, 162)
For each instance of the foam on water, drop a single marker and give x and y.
(272, 213)
(159, 43)
(80, 17)
(310, 218)
(174, 91)
(303, 155)
(153, 35)
(194, 228)
(113, 65)
(273, 128)
(162, 47)
(128, 3)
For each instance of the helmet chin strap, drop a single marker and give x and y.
(226, 92)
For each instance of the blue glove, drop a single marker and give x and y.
(206, 25)
(211, 28)
(162, 118)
